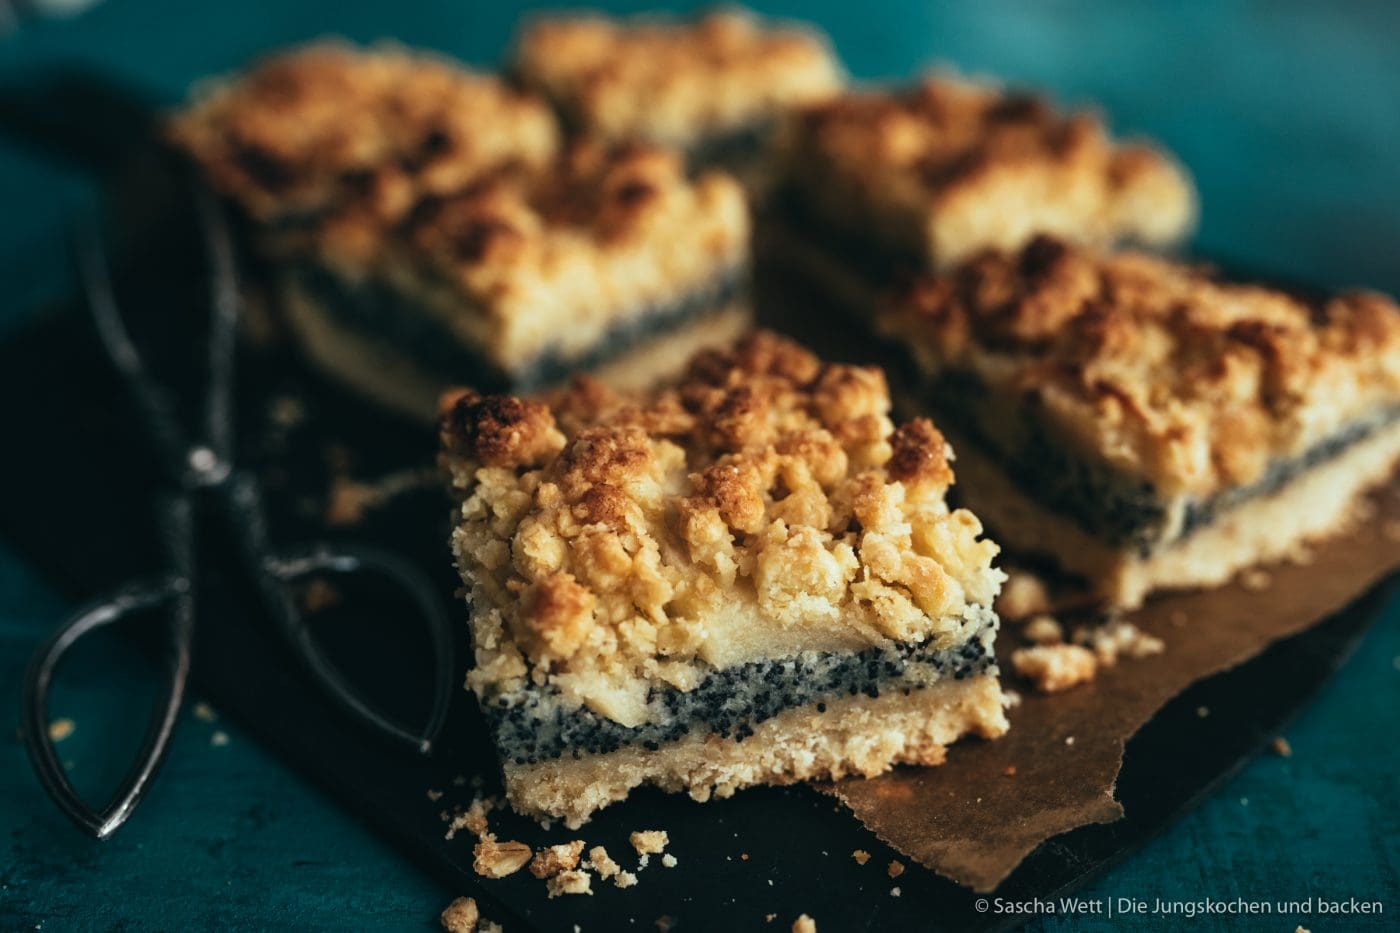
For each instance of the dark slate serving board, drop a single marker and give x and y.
(84, 521)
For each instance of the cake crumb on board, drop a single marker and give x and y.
(461, 916)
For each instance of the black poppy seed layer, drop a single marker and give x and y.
(533, 724)
(386, 314)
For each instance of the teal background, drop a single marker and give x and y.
(1287, 112)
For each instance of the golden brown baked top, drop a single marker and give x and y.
(948, 167)
(766, 498)
(1156, 366)
(675, 82)
(398, 167)
(307, 129)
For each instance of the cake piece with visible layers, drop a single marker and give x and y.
(748, 576)
(1144, 425)
(878, 183)
(430, 228)
(714, 87)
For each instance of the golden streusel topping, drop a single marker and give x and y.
(397, 167)
(924, 165)
(308, 129)
(672, 81)
(1155, 365)
(606, 538)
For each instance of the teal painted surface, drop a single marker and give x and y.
(1287, 113)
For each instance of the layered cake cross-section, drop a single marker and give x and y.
(747, 576)
(430, 227)
(716, 86)
(1143, 424)
(874, 184)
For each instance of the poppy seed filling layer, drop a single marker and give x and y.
(534, 724)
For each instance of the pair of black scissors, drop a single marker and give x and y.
(203, 478)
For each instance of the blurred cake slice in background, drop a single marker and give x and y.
(874, 184)
(747, 576)
(715, 87)
(429, 226)
(1142, 424)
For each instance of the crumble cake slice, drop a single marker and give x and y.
(747, 576)
(715, 87)
(1144, 425)
(920, 178)
(430, 227)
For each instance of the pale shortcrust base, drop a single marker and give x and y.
(380, 372)
(856, 735)
(1317, 503)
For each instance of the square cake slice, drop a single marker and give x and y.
(747, 576)
(1145, 425)
(429, 227)
(920, 178)
(715, 86)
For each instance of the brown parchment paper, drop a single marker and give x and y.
(972, 823)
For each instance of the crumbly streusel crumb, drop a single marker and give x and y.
(861, 856)
(461, 916)
(1119, 639)
(1052, 668)
(1281, 747)
(498, 859)
(1043, 630)
(650, 841)
(668, 861)
(1023, 595)
(1195, 383)
(603, 863)
(625, 879)
(576, 881)
(552, 860)
(804, 924)
(600, 533)
(895, 868)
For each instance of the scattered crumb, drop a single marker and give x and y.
(603, 863)
(317, 595)
(219, 739)
(204, 712)
(625, 879)
(553, 860)
(1069, 740)
(1010, 698)
(1119, 640)
(769, 918)
(1043, 630)
(1302, 929)
(61, 729)
(804, 924)
(650, 841)
(643, 861)
(668, 860)
(473, 820)
(575, 881)
(498, 859)
(1022, 596)
(1052, 668)
(861, 856)
(434, 795)
(1256, 580)
(1281, 747)
(1202, 712)
(894, 892)
(461, 916)
(665, 922)
(743, 856)
(895, 869)
(1010, 771)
